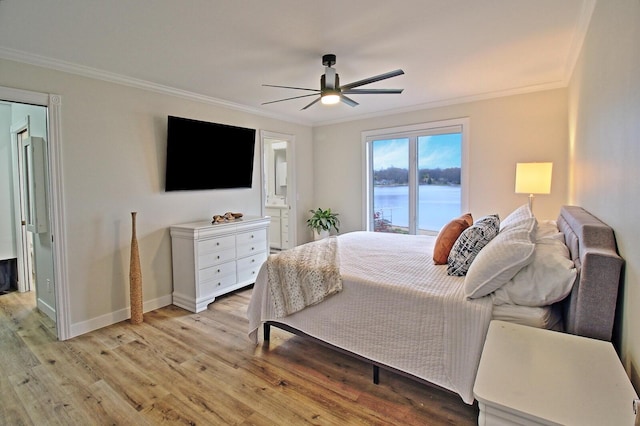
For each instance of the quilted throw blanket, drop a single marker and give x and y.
(303, 276)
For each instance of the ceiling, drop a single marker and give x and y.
(223, 51)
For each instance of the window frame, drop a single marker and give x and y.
(410, 131)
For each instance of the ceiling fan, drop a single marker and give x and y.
(330, 90)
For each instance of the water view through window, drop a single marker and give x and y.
(421, 174)
(438, 205)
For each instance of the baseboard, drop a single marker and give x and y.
(83, 327)
(47, 309)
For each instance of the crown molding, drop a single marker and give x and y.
(84, 71)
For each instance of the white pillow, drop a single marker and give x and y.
(511, 250)
(516, 217)
(546, 280)
(549, 229)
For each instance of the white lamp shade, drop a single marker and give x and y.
(533, 178)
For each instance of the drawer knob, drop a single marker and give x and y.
(218, 257)
(218, 243)
(218, 284)
(253, 260)
(251, 235)
(218, 270)
(253, 248)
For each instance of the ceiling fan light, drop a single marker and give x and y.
(330, 99)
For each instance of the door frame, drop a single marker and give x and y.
(53, 103)
(291, 179)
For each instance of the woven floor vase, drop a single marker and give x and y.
(135, 276)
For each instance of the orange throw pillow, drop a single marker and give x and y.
(448, 236)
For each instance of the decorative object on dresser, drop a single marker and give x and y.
(219, 218)
(210, 260)
(135, 276)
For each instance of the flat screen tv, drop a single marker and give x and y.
(203, 155)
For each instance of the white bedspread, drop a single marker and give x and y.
(396, 308)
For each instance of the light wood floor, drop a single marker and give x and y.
(197, 369)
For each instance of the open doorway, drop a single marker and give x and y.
(279, 188)
(24, 192)
(30, 127)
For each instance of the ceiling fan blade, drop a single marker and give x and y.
(371, 91)
(288, 99)
(348, 101)
(289, 87)
(372, 79)
(310, 104)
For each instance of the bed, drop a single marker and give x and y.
(397, 308)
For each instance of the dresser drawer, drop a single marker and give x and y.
(257, 237)
(217, 271)
(215, 285)
(251, 249)
(216, 244)
(216, 257)
(248, 267)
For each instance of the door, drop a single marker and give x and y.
(24, 242)
(33, 238)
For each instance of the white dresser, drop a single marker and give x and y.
(211, 260)
(530, 376)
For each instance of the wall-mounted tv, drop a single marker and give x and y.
(204, 155)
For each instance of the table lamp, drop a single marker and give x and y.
(533, 178)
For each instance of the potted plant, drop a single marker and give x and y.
(322, 221)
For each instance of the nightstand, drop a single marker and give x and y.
(531, 376)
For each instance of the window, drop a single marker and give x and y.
(415, 176)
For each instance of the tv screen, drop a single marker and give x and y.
(203, 155)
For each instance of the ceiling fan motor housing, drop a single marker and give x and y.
(332, 86)
(328, 60)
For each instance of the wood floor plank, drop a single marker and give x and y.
(130, 380)
(105, 406)
(264, 397)
(179, 368)
(185, 386)
(45, 405)
(12, 410)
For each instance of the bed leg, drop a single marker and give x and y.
(267, 331)
(376, 374)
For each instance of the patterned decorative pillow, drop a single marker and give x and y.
(447, 237)
(470, 242)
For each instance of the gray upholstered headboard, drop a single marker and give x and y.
(590, 308)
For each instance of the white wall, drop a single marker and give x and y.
(503, 131)
(113, 152)
(604, 103)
